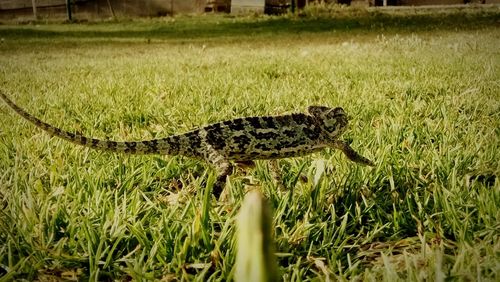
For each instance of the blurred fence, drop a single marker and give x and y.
(91, 9)
(88, 9)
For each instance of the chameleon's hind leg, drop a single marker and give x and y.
(224, 168)
(350, 153)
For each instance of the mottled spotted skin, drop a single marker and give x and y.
(240, 140)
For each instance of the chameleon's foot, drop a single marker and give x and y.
(351, 154)
(218, 186)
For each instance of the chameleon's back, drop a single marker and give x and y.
(267, 137)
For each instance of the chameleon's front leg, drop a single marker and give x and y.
(245, 164)
(275, 170)
(350, 153)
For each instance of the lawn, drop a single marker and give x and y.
(421, 87)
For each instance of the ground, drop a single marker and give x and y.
(421, 89)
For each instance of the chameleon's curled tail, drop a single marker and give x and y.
(168, 145)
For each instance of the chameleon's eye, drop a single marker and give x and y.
(337, 112)
(336, 122)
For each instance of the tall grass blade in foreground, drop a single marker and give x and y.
(255, 260)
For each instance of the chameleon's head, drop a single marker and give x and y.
(333, 121)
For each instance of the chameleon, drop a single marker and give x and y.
(238, 141)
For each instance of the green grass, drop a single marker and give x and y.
(424, 101)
